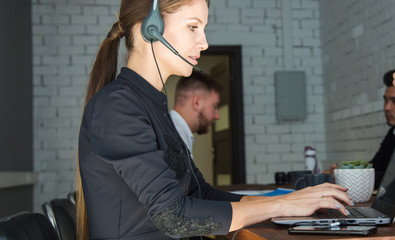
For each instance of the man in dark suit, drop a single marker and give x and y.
(383, 155)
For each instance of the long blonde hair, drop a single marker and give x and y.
(105, 68)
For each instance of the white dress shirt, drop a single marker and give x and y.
(183, 129)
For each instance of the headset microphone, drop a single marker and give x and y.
(153, 27)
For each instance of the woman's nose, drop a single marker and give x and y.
(203, 44)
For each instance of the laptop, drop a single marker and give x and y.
(381, 212)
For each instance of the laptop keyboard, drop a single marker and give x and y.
(354, 213)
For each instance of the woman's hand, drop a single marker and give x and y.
(253, 209)
(310, 199)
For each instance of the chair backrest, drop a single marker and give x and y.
(27, 226)
(62, 214)
(71, 196)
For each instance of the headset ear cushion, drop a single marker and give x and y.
(153, 22)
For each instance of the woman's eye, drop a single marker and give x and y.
(193, 28)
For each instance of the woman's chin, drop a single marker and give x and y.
(186, 72)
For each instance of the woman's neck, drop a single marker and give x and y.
(144, 65)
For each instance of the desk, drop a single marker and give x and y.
(272, 231)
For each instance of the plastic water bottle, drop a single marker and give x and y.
(310, 160)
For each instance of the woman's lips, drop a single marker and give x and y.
(193, 60)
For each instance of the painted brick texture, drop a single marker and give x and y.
(357, 49)
(66, 35)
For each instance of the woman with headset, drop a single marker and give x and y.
(137, 180)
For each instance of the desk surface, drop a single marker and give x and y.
(268, 230)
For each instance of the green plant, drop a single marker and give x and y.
(356, 164)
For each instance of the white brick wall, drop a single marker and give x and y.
(357, 49)
(66, 35)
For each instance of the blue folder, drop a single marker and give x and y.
(277, 192)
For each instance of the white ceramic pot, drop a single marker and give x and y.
(360, 183)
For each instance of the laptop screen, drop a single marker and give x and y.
(385, 199)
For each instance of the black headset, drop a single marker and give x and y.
(153, 27)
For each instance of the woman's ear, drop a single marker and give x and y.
(137, 31)
(138, 42)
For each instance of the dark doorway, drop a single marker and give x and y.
(228, 133)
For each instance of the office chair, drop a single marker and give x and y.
(72, 196)
(62, 215)
(27, 226)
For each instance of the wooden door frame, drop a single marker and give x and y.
(236, 112)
